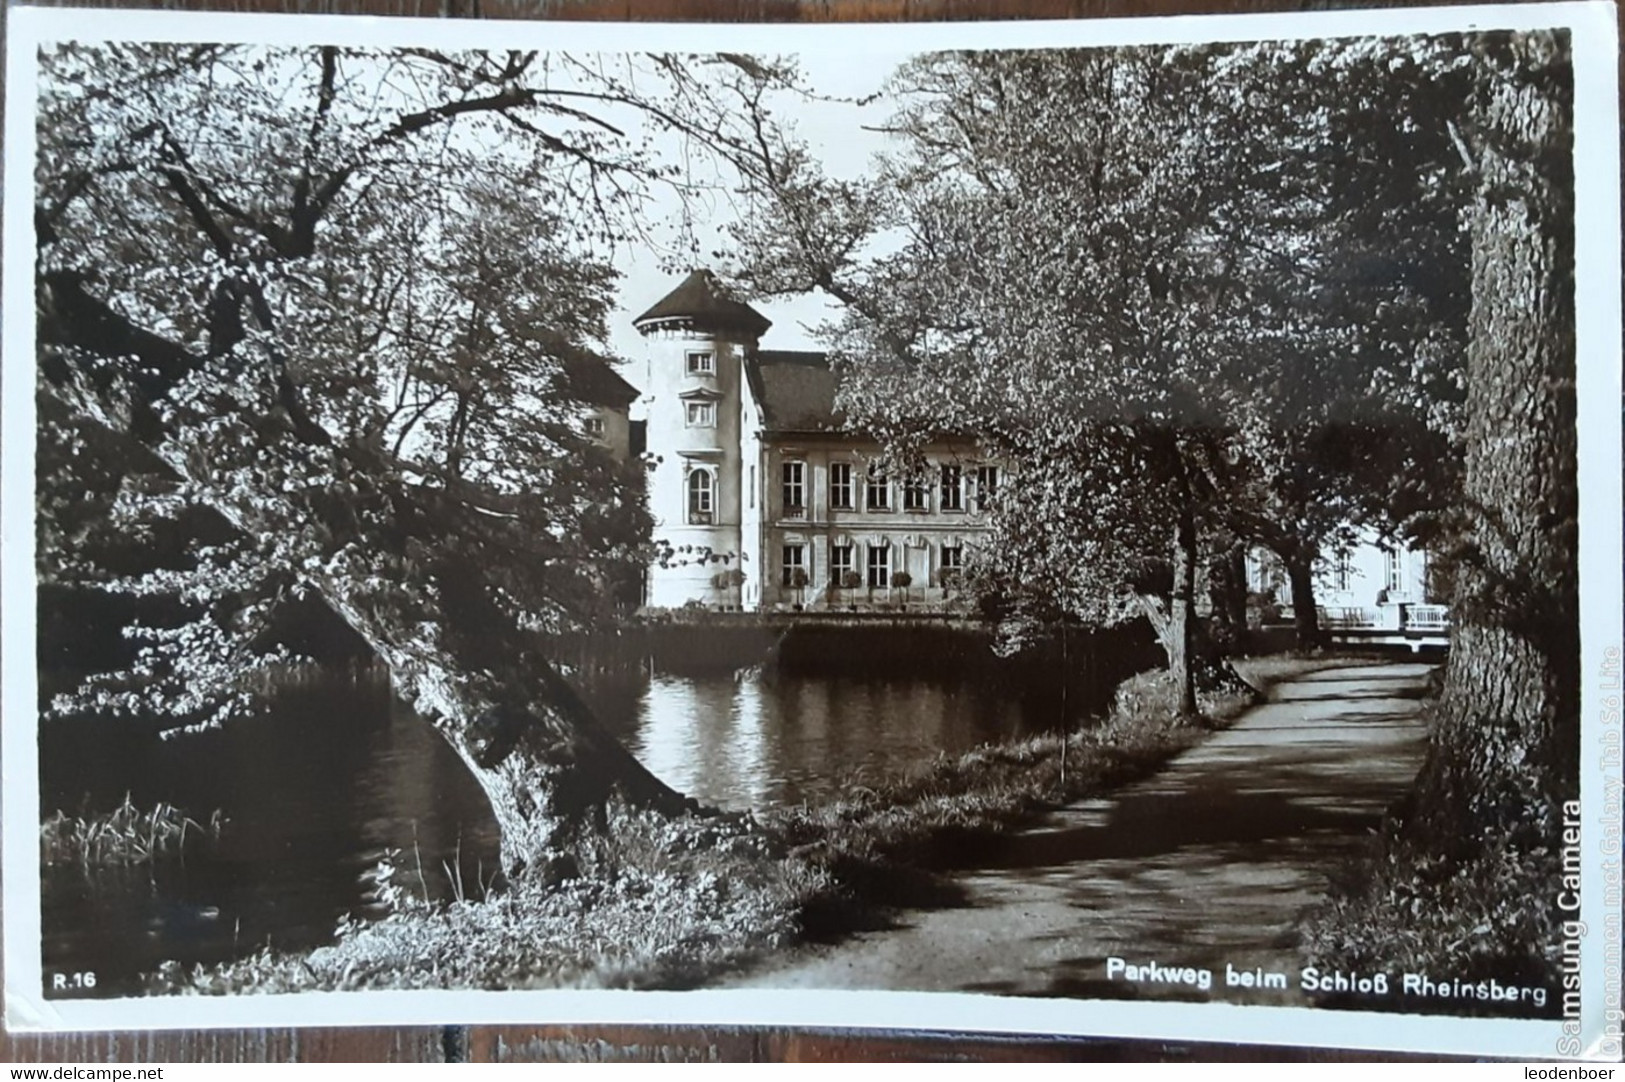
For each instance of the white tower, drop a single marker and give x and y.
(698, 337)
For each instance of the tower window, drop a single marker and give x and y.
(702, 415)
(701, 497)
(701, 363)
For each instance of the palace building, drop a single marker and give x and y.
(762, 501)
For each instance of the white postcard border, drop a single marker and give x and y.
(1598, 328)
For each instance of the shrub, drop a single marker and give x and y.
(1406, 908)
(1262, 610)
(851, 580)
(902, 580)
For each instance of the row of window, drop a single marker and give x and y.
(877, 490)
(843, 569)
(1393, 572)
(1342, 574)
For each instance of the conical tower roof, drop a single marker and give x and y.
(703, 303)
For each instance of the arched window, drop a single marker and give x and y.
(701, 497)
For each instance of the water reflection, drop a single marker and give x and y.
(756, 741)
(338, 772)
(313, 793)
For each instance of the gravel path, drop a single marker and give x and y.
(1206, 865)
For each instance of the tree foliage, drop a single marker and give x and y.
(1134, 270)
(345, 307)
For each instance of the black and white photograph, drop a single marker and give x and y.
(1094, 529)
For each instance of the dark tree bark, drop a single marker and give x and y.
(548, 768)
(1506, 740)
(1227, 594)
(1235, 598)
(1300, 574)
(1182, 614)
(1174, 619)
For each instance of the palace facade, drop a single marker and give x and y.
(1370, 584)
(761, 501)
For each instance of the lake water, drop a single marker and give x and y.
(337, 773)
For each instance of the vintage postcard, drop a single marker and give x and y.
(1084, 528)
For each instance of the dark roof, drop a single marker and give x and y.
(593, 380)
(796, 390)
(702, 301)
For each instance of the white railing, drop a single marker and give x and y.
(1427, 617)
(1349, 616)
(1396, 617)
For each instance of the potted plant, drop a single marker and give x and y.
(797, 580)
(903, 580)
(849, 581)
(730, 579)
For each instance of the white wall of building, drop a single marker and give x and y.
(680, 446)
(1368, 575)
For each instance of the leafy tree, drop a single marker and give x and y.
(1113, 265)
(1474, 848)
(1366, 436)
(341, 305)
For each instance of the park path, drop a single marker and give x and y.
(1210, 862)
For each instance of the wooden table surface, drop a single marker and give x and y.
(662, 1043)
(640, 1044)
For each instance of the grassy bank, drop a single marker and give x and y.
(672, 903)
(1406, 908)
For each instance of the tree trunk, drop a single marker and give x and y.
(1506, 741)
(1300, 574)
(549, 770)
(1227, 595)
(1180, 639)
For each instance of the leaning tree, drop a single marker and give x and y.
(331, 310)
